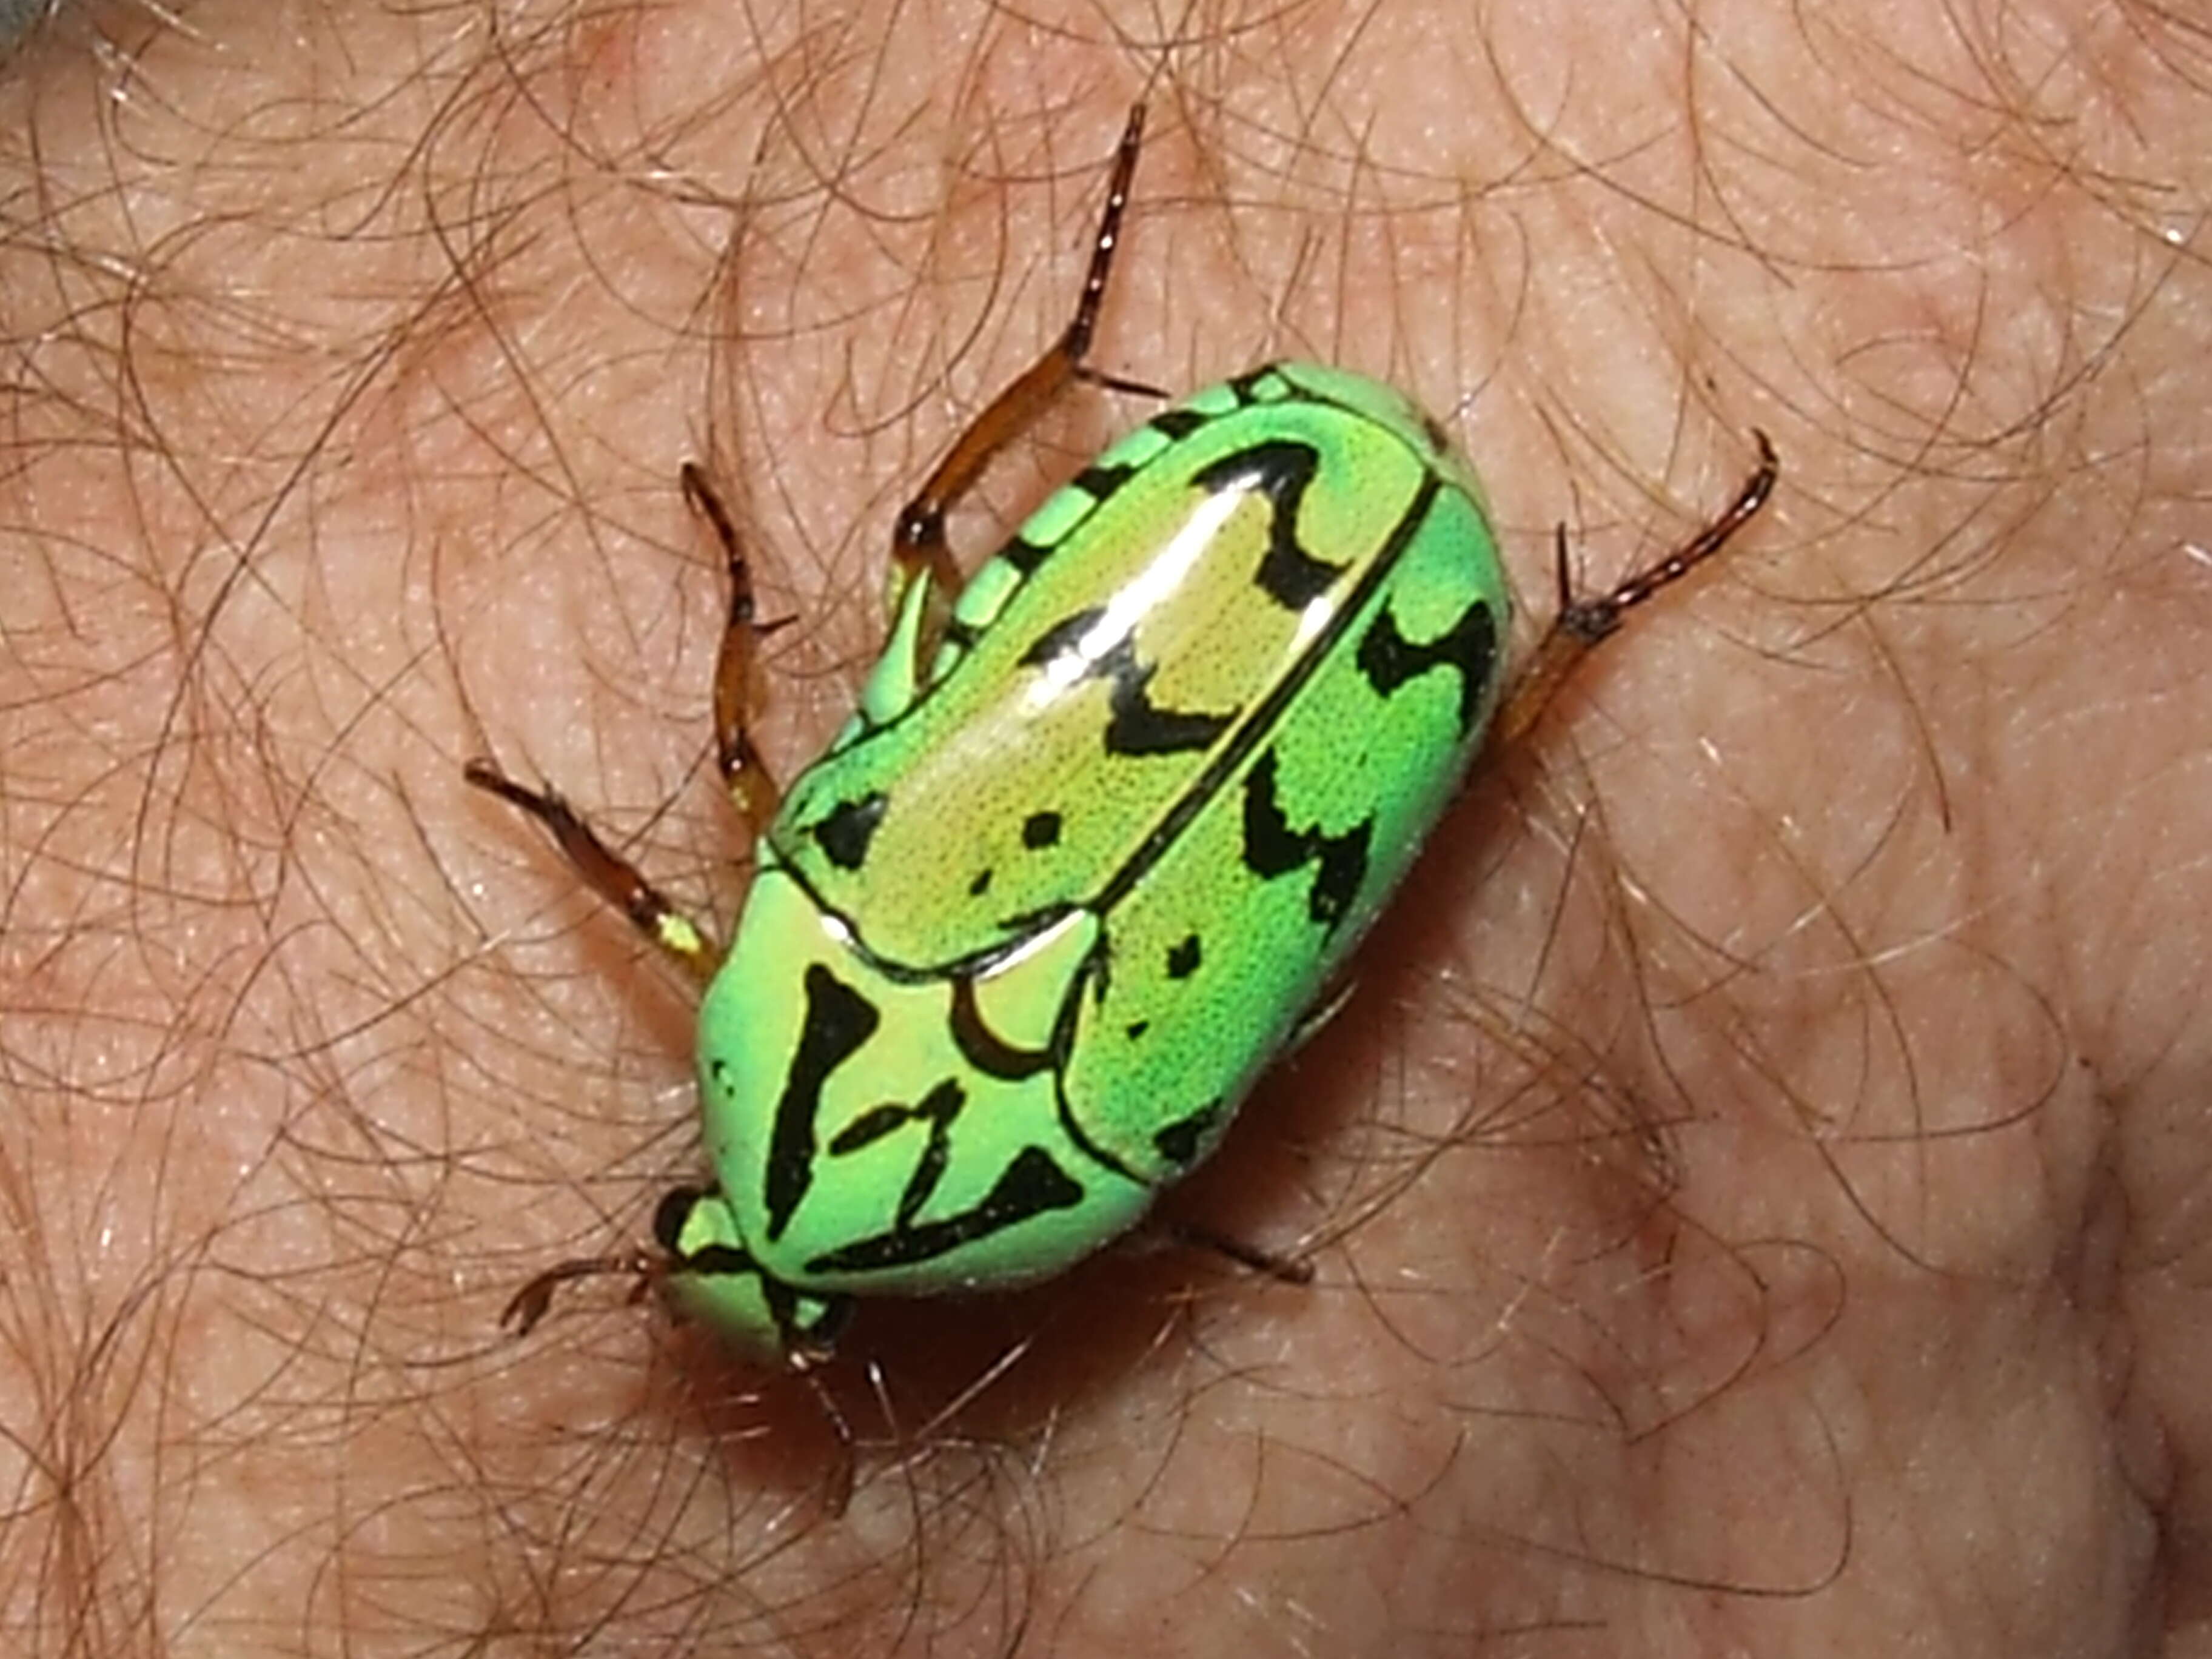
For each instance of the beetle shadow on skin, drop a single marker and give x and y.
(1003, 1378)
(994, 1376)
(932, 1388)
(922, 1381)
(947, 1381)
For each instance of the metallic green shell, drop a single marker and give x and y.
(1024, 936)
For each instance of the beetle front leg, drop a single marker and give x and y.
(607, 873)
(919, 548)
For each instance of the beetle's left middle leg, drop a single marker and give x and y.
(746, 777)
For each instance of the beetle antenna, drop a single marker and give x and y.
(534, 1301)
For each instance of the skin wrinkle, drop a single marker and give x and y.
(1756, 1185)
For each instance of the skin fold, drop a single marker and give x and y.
(1755, 1185)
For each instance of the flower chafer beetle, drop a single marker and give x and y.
(1105, 823)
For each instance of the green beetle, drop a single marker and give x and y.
(1107, 820)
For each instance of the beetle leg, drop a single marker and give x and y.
(607, 873)
(753, 790)
(1290, 1269)
(1579, 624)
(838, 1495)
(918, 549)
(1311, 1022)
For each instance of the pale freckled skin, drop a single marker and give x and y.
(1754, 1183)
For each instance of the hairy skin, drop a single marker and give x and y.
(1758, 1190)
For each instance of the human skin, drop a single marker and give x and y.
(1755, 1189)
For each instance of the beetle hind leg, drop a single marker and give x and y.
(1580, 623)
(920, 551)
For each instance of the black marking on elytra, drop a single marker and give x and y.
(940, 1109)
(1260, 723)
(1099, 483)
(1183, 957)
(1033, 1185)
(1469, 647)
(1182, 1141)
(1041, 830)
(1024, 555)
(1136, 1027)
(1279, 468)
(838, 1020)
(843, 832)
(1065, 639)
(1136, 725)
(1177, 424)
(983, 1048)
(980, 885)
(1273, 849)
(1141, 727)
